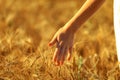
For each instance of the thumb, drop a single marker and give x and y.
(53, 41)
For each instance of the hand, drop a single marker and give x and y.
(64, 43)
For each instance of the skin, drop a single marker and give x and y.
(64, 37)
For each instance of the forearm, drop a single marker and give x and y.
(89, 7)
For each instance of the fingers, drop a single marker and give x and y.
(60, 51)
(60, 54)
(55, 54)
(63, 55)
(69, 53)
(64, 51)
(57, 58)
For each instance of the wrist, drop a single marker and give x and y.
(70, 28)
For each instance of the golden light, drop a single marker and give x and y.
(117, 26)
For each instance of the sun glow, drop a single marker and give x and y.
(117, 26)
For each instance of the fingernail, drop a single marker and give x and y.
(49, 44)
(61, 63)
(56, 64)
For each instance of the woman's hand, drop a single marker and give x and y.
(64, 36)
(64, 43)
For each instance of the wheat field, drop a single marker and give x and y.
(26, 27)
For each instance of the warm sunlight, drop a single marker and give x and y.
(117, 26)
(28, 50)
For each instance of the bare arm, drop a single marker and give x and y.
(89, 7)
(64, 36)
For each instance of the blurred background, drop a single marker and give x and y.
(26, 27)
